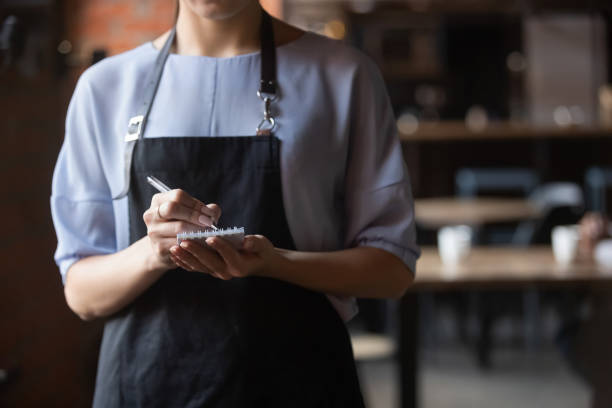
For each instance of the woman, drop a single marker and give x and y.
(322, 187)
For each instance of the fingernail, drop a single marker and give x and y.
(210, 241)
(204, 220)
(184, 244)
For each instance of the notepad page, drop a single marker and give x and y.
(234, 235)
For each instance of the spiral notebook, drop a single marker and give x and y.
(234, 236)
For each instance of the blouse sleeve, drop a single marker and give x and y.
(81, 203)
(378, 197)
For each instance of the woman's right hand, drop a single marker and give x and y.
(170, 213)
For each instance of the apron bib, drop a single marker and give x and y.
(192, 340)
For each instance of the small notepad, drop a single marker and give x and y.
(234, 235)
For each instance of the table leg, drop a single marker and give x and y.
(408, 350)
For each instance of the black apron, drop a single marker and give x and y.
(192, 340)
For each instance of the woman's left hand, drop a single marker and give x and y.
(222, 260)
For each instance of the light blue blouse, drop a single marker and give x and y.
(345, 183)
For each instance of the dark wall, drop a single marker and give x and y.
(49, 353)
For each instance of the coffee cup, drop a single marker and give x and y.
(454, 243)
(603, 253)
(565, 243)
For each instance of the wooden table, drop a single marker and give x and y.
(441, 211)
(485, 268)
(505, 266)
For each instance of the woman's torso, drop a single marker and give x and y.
(204, 96)
(191, 339)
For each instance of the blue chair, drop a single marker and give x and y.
(470, 182)
(597, 181)
(559, 202)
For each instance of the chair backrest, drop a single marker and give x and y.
(597, 180)
(542, 229)
(495, 181)
(470, 182)
(558, 194)
(560, 202)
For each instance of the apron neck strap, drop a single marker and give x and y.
(267, 84)
(268, 55)
(136, 124)
(155, 76)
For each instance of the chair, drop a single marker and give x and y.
(469, 182)
(560, 203)
(502, 181)
(597, 180)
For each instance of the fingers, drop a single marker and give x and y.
(214, 212)
(207, 258)
(178, 195)
(172, 210)
(221, 259)
(177, 261)
(225, 250)
(185, 260)
(169, 229)
(179, 205)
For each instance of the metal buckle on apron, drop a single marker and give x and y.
(134, 128)
(268, 123)
(134, 132)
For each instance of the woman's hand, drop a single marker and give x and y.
(101, 285)
(170, 213)
(360, 272)
(222, 260)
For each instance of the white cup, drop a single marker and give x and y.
(603, 253)
(454, 243)
(565, 243)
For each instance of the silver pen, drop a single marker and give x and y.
(162, 188)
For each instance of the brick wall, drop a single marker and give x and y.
(117, 26)
(50, 354)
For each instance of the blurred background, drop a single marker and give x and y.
(504, 110)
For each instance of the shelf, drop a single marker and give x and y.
(449, 131)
